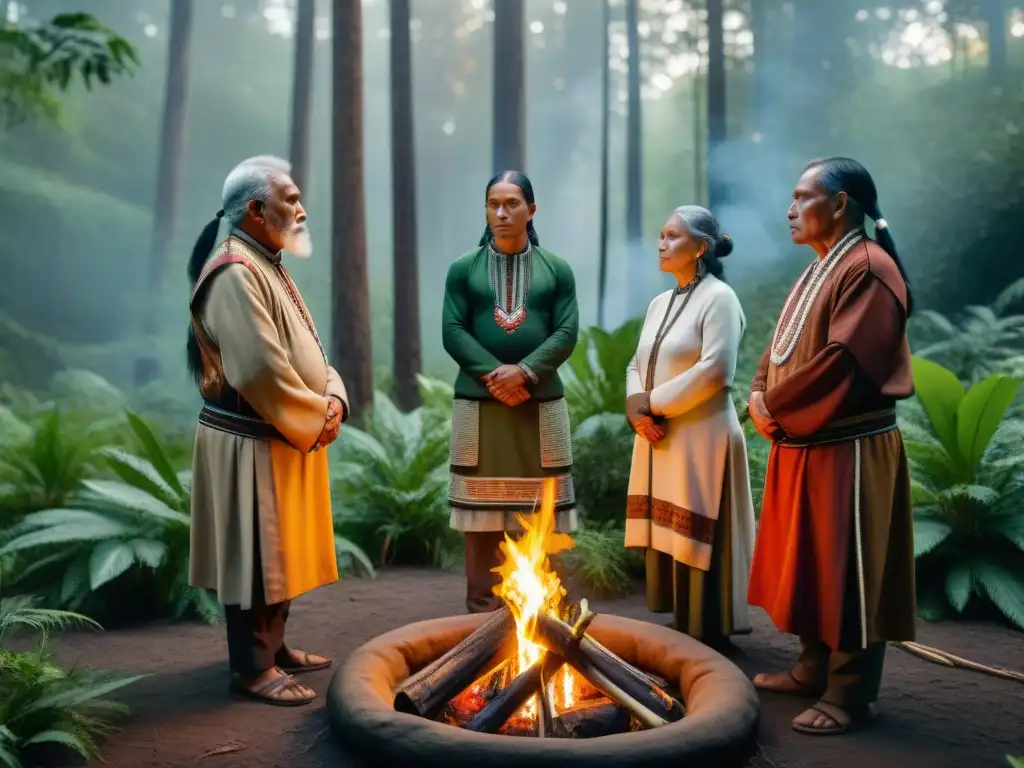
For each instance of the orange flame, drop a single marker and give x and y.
(529, 585)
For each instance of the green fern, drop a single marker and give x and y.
(967, 492)
(390, 483)
(42, 703)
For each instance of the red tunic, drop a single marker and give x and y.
(834, 558)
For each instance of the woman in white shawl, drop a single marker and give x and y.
(689, 502)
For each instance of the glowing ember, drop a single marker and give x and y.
(529, 585)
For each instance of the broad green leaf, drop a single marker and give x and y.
(354, 443)
(343, 546)
(149, 551)
(109, 559)
(1013, 529)
(1004, 584)
(60, 737)
(9, 759)
(929, 534)
(979, 494)
(51, 517)
(72, 697)
(979, 413)
(138, 472)
(155, 452)
(71, 533)
(125, 496)
(958, 587)
(1015, 762)
(611, 422)
(939, 392)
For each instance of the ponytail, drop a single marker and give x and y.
(884, 238)
(203, 247)
(200, 253)
(531, 234)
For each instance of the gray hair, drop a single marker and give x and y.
(702, 225)
(251, 179)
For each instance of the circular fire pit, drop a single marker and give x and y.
(719, 729)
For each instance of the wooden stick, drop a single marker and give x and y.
(428, 691)
(617, 680)
(513, 696)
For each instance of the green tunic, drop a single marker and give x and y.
(519, 310)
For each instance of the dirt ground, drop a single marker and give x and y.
(182, 714)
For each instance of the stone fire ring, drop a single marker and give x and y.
(719, 730)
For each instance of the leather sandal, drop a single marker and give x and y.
(291, 668)
(270, 692)
(843, 720)
(787, 683)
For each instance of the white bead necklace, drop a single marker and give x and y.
(791, 324)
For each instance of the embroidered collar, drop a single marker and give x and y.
(245, 237)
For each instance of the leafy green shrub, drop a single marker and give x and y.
(968, 492)
(985, 340)
(390, 486)
(595, 374)
(115, 528)
(42, 704)
(602, 453)
(601, 560)
(43, 461)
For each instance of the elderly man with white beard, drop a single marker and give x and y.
(261, 508)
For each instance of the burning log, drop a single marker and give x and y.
(427, 692)
(589, 720)
(619, 681)
(515, 695)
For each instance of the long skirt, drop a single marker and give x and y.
(500, 457)
(701, 601)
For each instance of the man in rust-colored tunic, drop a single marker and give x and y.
(834, 558)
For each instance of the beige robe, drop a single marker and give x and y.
(257, 337)
(704, 448)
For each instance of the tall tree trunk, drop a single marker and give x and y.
(717, 131)
(994, 13)
(302, 94)
(634, 160)
(759, 96)
(351, 347)
(602, 269)
(403, 194)
(168, 183)
(509, 86)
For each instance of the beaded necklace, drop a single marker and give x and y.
(798, 304)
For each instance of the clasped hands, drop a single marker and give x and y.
(333, 424)
(507, 385)
(639, 416)
(762, 419)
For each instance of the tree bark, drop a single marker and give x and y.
(509, 129)
(994, 13)
(602, 268)
(717, 131)
(407, 352)
(351, 348)
(634, 159)
(168, 183)
(302, 95)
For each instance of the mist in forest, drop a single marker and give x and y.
(911, 89)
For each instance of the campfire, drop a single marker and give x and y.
(531, 669)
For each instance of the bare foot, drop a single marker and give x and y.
(824, 719)
(787, 683)
(274, 687)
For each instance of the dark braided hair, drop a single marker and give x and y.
(526, 187)
(200, 253)
(841, 174)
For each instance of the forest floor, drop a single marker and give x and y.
(182, 714)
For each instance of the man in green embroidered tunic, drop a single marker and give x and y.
(510, 319)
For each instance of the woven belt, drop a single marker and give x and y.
(237, 424)
(850, 428)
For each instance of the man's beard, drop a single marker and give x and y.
(297, 241)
